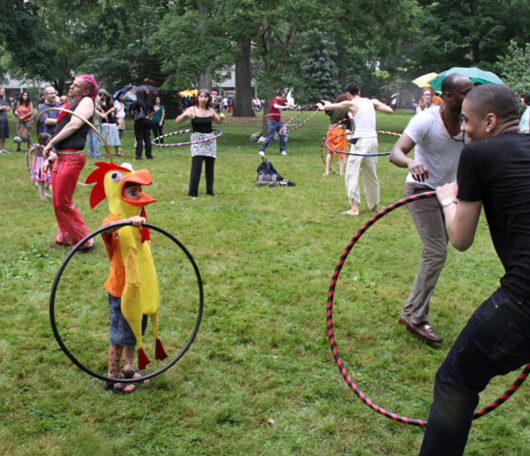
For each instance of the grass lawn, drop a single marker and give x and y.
(260, 378)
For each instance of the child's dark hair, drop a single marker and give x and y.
(130, 184)
(44, 138)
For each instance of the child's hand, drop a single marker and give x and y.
(137, 221)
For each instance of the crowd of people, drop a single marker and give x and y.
(465, 151)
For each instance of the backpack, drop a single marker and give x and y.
(267, 175)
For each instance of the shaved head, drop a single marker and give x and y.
(494, 98)
(452, 82)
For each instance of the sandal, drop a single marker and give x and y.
(118, 154)
(118, 388)
(133, 373)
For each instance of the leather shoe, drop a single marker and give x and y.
(424, 331)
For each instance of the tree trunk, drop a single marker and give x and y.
(243, 100)
(205, 79)
(266, 110)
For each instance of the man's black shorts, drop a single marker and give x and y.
(4, 129)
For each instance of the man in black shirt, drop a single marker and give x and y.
(494, 172)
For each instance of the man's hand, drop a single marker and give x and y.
(447, 191)
(47, 149)
(323, 104)
(418, 171)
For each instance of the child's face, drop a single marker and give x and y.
(133, 193)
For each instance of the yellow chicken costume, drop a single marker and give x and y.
(132, 272)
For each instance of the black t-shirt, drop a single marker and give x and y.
(496, 171)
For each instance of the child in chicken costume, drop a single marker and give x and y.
(132, 283)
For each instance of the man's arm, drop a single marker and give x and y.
(381, 107)
(461, 219)
(398, 156)
(328, 106)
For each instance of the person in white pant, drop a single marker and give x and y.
(365, 142)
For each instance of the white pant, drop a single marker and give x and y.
(369, 167)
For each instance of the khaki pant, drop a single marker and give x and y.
(428, 217)
(369, 167)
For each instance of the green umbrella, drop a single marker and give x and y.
(475, 74)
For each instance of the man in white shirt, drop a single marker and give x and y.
(365, 142)
(439, 141)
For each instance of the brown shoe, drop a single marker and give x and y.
(402, 321)
(424, 331)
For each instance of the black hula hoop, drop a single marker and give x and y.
(285, 131)
(56, 283)
(333, 344)
(179, 132)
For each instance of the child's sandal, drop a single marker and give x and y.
(131, 373)
(119, 388)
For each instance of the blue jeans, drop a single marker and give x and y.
(495, 341)
(273, 126)
(93, 143)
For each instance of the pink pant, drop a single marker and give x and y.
(72, 227)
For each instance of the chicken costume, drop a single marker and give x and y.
(133, 275)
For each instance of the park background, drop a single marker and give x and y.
(260, 378)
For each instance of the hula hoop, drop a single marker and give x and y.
(56, 283)
(220, 133)
(285, 131)
(29, 169)
(380, 154)
(333, 344)
(324, 143)
(82, 119)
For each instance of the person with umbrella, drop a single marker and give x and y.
(142, 111)
(435, 134)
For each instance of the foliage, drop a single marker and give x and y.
(514, 67)
(319, 68)
(468, 33)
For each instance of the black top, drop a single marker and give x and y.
(202, 124)
(148, 107)
(77, 140)
(105, 107)
(496, 171)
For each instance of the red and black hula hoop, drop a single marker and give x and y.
(285, 130)
(333, 343)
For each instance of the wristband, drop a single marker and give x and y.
(448, 201)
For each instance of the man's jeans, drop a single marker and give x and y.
(274, 126)
(93, 143)
(495, 341)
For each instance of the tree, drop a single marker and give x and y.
(514, 67)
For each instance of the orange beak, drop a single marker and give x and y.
(140, 177)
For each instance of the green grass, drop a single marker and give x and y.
(266, 256)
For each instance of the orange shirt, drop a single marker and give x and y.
(116, 280)
(24, 113)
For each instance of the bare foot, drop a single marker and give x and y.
(352, 212)
(375, 208)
